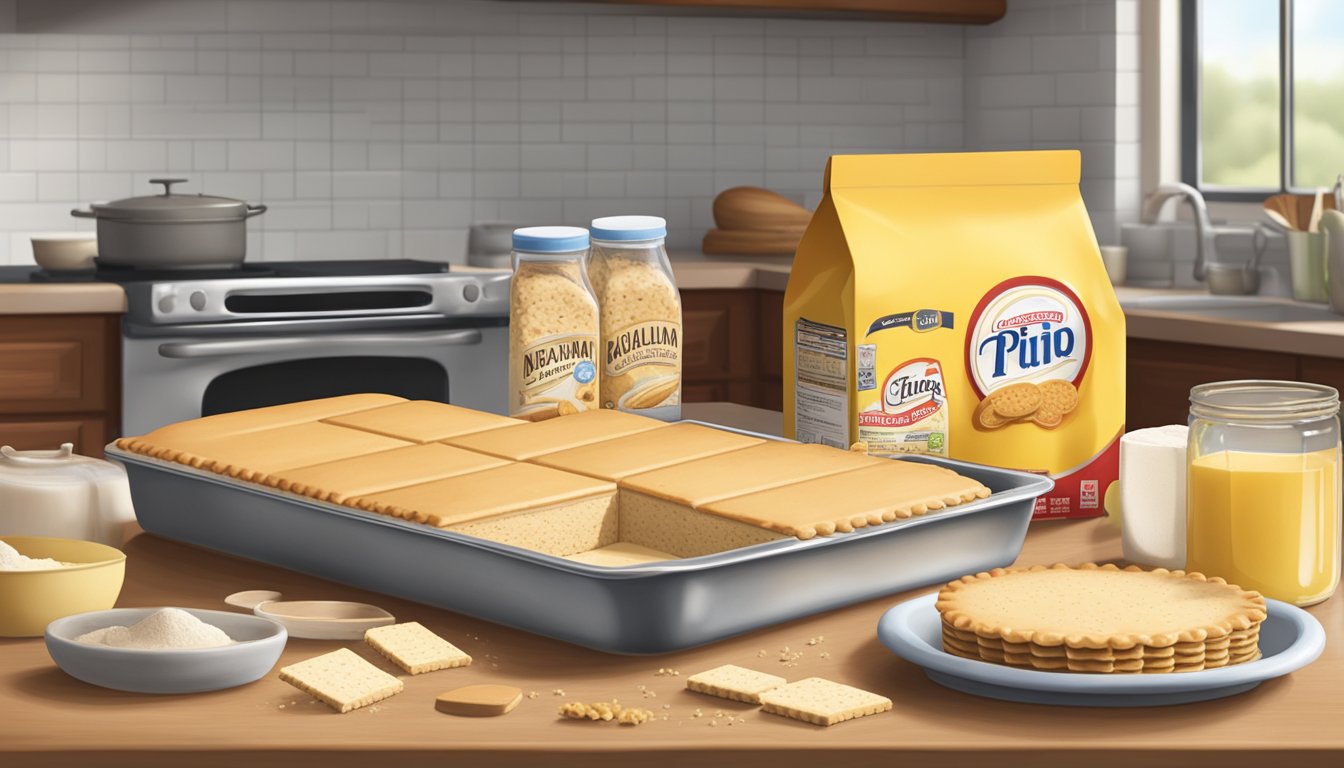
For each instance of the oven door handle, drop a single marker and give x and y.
(379, 341)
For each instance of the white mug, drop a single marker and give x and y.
(1114, 257)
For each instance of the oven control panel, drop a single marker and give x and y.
(283, 298)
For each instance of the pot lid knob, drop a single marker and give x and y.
(167, 184)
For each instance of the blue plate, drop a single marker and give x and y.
(1290, 639)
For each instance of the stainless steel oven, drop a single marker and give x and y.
(199, 344)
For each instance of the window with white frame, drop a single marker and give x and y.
(1262, 95)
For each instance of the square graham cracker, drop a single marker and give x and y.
(341, 680)
(414, 648)
(822, 702)
(733, 682)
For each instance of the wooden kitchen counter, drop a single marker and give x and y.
(52, 719)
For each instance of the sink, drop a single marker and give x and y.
(1255, 309)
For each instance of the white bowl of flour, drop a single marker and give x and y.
(157, 650)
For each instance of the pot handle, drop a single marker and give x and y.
(80, 213)
(167, 184)
(254, 210)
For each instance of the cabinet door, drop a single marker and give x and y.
(55, 363)
(719, 344)
(89, 435)
(1160, 375)
(771, 323)
(1322, 370)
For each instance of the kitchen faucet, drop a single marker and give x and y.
(1204, 247)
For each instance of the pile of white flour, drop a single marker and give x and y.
(11, 560)
(164, 629)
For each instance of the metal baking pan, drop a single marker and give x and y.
(643, 609)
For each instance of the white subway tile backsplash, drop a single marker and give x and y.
(136, 155)
(57, 88)
(43, 155)
(62, 187)
(261, 155)
(91, 155)
(18, 187)
(104, 186)
(401, 121)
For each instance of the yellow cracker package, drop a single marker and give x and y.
(956, 305)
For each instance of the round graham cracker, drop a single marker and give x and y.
(986, 417)
(1016, 400)
(1096, 607)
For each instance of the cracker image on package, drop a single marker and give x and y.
(1001, 343)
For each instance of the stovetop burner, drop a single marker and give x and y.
(117, 273)
(114, 273)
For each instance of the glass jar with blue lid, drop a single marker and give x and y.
(553, 325)
(640, 310)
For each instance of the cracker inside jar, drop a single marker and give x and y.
(553, 336)
(640, 314)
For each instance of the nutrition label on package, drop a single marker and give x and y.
(821, 384)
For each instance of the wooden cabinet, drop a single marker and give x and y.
(60, 381)
(925, 11)
(720, 343)
(1160, 374)
(770, 319)
(732, 346)
(1322, 370)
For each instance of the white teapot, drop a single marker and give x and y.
(58, 493)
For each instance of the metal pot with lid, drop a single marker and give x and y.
(172, 231)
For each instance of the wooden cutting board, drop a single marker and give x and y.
(741, 242)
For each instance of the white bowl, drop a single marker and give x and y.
(65, 252)
(191, 670)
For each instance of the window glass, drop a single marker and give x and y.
(1239, 90)
(1318, 92)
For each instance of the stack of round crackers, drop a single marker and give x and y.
(1100, 619)
(1045, 404)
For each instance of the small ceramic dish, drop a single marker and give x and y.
(65, 251)
(1290, 639)
(257, 647)
(313, 619)
(30, 600)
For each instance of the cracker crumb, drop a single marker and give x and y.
(577, 710)
(825, 654)
(667, 706)
(667, 672)
(634, 716)
(605, 711)
(761, 655)
(557, 691)
(282, 706)
(713, 723)
(532, 694)
(697, 713)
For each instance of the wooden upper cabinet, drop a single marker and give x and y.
(930, 11)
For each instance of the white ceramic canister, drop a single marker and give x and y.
(1152, 496)
(59, 493)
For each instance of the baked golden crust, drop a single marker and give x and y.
(1098, 606)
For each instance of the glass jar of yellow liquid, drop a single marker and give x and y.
(1263, 487)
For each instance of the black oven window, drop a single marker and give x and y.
(295, 380)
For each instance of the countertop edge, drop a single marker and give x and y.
(61, 299)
